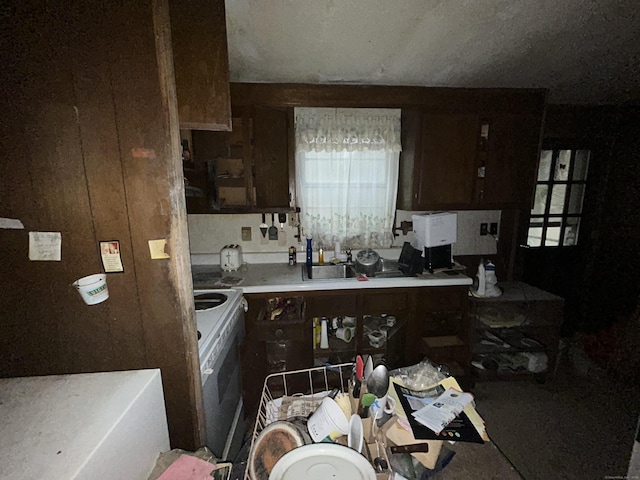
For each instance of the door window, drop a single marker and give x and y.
(559, 195)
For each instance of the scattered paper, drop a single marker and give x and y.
(443, 410)
(45, 246)
(11, 224)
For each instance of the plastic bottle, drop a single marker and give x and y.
(320, 256)
(309, 251)
(324, 333)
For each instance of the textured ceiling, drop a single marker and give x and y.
(582, 51)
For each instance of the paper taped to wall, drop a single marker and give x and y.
(45, 246)
(11, 224)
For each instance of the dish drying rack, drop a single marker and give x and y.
(297, 393)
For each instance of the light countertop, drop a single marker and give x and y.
(280, 277)
(107, 425)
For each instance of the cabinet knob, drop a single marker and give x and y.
(278, 333)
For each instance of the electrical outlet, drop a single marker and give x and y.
(483, 229)
(246, 234)
(493, 228)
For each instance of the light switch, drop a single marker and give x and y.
(246, 234)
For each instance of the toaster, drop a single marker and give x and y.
(231, 258)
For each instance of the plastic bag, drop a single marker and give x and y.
(420, 377)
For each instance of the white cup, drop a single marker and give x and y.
(328, 421)
(349, 321)
(345, 334)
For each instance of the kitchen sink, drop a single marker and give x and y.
(342, 270)
(328, 272)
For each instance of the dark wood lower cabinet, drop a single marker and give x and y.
(286, 344)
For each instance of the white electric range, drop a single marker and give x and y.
(220, 319)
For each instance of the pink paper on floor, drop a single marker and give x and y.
(187, 467)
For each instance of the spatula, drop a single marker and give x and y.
(273, 230)
(263, 226)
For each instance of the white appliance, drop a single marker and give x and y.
(220, 319)
(485, 283)
(230, 258)
(433, 235)
(434, 229)
(106, 425)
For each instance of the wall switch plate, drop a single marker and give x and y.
(246, 234)
(493, 228)
(483, 229)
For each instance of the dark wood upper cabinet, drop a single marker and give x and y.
(444, 174)
(271, 157)
(511, 159)
(481, 159)
(201, 64)
(247, 170)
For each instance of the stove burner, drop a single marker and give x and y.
(206, 301)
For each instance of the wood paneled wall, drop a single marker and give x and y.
(90, 148)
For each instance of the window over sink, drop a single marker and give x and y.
(347, 163)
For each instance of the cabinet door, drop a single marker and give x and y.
(445, 173)
(511, 160)
(271, 157)
(201, 64)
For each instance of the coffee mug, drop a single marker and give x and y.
(345, 334)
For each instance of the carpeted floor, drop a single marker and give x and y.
(579, 425)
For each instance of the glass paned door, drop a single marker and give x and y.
(559, 197)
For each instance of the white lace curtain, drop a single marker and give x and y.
(347, 174)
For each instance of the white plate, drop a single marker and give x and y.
(323, 461)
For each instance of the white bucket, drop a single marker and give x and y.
(93, 289)
(328, 421)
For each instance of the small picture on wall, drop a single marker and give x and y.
(110, 254)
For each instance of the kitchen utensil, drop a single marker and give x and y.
(355, 437)
(411, 448)
(282, 218)
(273, 230)
(368, 399)
(263, 226)
(359, 367)
(378, 381)
(367, 262)
(368, 367)
(380, 462)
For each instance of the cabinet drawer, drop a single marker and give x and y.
(385, 302)
(441, 324)
(443, 300)
(284, 332)
(331, 305)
